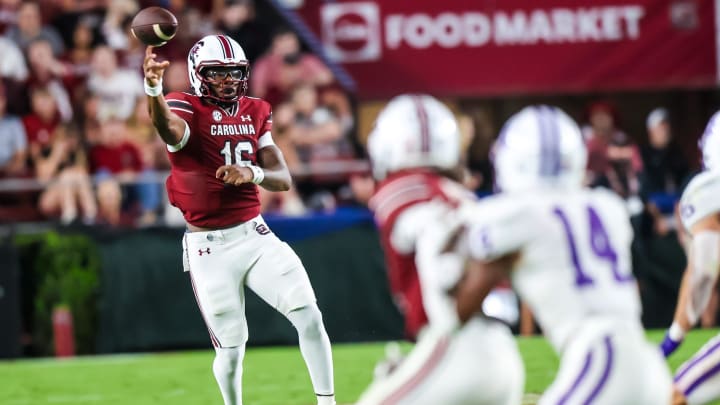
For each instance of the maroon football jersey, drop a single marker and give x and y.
(393, 196)
(217, 138)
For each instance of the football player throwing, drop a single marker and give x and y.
(221, 149)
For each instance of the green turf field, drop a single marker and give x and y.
(273, 376)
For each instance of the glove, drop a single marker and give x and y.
(669, 344)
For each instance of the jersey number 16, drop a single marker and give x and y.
(243, 151)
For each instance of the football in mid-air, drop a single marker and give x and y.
(154, 26)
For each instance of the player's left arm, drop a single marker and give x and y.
(270, 172)
(704, 265)
(702, 244)
(493, 245)
(480, 278)
(277, 175)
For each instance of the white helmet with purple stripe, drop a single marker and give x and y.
(414, 131)
(710, 144)
(537, 147)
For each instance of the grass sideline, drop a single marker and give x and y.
(272, 376)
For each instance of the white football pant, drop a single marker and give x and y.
(477, 365)
(610, 363)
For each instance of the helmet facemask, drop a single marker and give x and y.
(223, 83)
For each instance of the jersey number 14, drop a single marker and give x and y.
(599, 244)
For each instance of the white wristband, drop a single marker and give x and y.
(676, 332)
(153, 91)
(258, 174)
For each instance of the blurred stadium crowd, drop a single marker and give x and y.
(77, 145)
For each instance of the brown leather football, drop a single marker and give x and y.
(154, 26)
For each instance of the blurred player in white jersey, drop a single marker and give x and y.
(459, 358)
(567, 251)
(698, 380)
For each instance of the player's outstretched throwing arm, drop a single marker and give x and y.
(172, 129)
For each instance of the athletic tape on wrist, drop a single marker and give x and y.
(153, 91)
(258, 174)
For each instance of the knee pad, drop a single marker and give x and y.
(307, 320)
(226, 357)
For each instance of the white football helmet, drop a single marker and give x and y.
(217, 51)
(413, 131)
(539, 146)
(710, 144)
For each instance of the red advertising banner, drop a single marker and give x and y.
(490, 47)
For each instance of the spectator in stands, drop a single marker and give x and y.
(337, 101)
(63, 164)
(8, 14)
(79, 56)
(321, 143)
(288, 202)
(665, 167)
(481, 135)
(113, 26)
(176, 77)
(613, 159)
(14, 74)
(89, 119)
(285, 66)
(141, 133)
(49, 72)
(317, 131)
(117, 89)
(13, 142)
(12, 63)
(665, 171)
(115, 160)
(131, 57)
(43, 118)
(30, 27)
(195, 25)
(78, 60)
(238, 21)
(67, 15)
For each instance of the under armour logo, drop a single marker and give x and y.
(201, 251)
(262, 229)
(245, 118)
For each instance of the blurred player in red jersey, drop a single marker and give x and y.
(460, 357)
(411, 174)
(221, 148)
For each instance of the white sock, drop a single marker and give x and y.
(227, 368)
(326, 399)
(316, 350)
